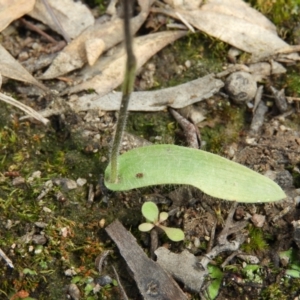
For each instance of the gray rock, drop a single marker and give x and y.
(241, 87)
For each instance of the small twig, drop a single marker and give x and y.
(281, 214)
(39, 31)
(258, 97)
(28, 110)
(7, 260)
(124, 295)
(190, 130)
(229, 258)
(212, 238)
(280, 99)
(154, 242)
(185, 22)
(228, 246)
(293, 99)
(231, 226)
(91, 196)
(56, 21)
(258, 117)
(99, 261)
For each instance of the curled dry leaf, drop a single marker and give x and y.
(11, 10)
(11, 68)
(233, 22)
(112, 76)
(74, 56)
(73, 16)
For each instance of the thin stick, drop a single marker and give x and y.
(124, 295)
(38, 30)
(7, 260)
(127, 89)
(28, 110)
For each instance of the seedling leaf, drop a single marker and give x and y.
(292, 273)
(174, 234)
(150, 211)
(144, 227)
(163, 216)
(217, 276)
(213, 174)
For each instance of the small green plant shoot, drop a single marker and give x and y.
(154, 218)
(171, 164)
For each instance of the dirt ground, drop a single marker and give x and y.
(54, 207)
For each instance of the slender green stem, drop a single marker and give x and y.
(127, 89)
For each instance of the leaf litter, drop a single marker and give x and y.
(105, 35)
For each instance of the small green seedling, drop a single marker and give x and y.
(154, 218)
(291, 257)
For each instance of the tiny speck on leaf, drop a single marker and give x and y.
(139, 175)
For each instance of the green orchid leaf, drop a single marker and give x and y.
(144, 227)
(174, 234)
(150, 211)
(213, 174)
(163, 216)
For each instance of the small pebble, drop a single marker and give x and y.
(258, 220)
(282, 128)
(188, 64)
(197, 242)
(34, 175)
(239, 213)
(40, 224)
(70, 272)
(38, 249)
(74, 291)
(66, 183)
(9, 224)
(102, 223)
(47, 210)
(81, 181)
(23, 56)
(103, 280)
(18, 181)
(39, 239)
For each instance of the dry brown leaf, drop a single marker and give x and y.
(73, 16)
(74, 56)
(112, 76)
(11, 68)
(94, 48)
(175, 97)
(11, 10)
(233, 22)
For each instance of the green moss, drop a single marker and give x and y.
(256, 241)
(205, 54)
(283, 13)
(230, 122)
(101, 4)
(24, 149)
(151, 126)
(293, 83)
(273, 291)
